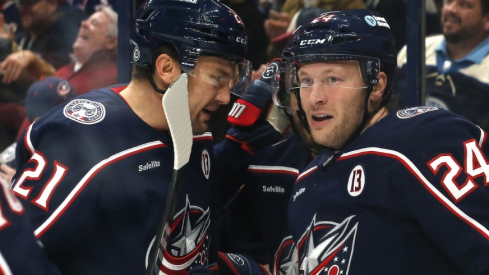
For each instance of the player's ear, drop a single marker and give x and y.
(377, 92)
(166, 69)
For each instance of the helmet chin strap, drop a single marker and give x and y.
(153, 83)
(300, 113)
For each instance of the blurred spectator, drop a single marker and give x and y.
(303, 16)
(46, 34)
(278, 23)
(457, 62)
(42, 96)
(67, 11)
(95, 52)
(394, 12)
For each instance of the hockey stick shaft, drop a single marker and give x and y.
(175, 105)
(164, 226)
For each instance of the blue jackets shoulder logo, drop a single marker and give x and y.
(84, 111)
(414, 111)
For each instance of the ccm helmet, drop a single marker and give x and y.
(193, 28)
(360, 35)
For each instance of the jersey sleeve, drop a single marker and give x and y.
(51, 181)
(20, 253)
(446, 187)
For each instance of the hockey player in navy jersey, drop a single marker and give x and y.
(397, 193)
(94, 174)
(254, 222)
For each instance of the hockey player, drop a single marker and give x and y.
(94, 174)
(398, 193)
(254, 222)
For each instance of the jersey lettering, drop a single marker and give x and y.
(32, 174)
(42, 200)
(475, 163)
(455, 190)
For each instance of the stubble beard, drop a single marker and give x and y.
(337, 137)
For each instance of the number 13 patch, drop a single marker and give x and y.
(356, 182)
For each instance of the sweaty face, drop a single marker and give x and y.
(333, 99)
(93, 35)
(462, 20)
(209, 86)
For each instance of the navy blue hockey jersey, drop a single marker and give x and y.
(408, 196)
(19, 251)
(256, 219)
(94, 178)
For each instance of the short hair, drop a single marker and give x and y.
(112, 14)
(140, 72)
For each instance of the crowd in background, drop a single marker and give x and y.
(54, 50)
(41, 38)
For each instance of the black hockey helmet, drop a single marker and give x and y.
(193, 28)
(360, 35)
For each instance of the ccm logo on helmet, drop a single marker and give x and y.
(240, 40)
(312, 42)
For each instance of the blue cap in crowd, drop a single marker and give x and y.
(45, 94)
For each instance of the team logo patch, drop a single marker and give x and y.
(270, 71)
(415, 111)
(356, 182)
(85, 111)
(206, 163)
(327, 247)
(286, 259)
(370, 20)
(63, 88)
(136, 54)
(188, 240)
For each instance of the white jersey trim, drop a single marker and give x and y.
(4, 268)
(28, 141)
(262, 168)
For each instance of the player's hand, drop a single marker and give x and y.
(257, 122)
(231, 264)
